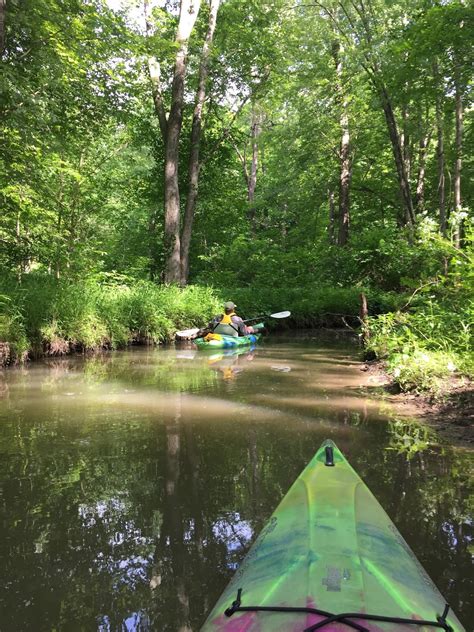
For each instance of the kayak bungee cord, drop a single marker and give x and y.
(237, 608)
(341, 618)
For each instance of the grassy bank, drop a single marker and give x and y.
(429, 342)
(44, 316)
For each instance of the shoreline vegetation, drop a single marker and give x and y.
(419, 344)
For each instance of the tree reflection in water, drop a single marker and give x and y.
(135, 516)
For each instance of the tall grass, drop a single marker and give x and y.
(47, 316)
(43, 315)
(12, 329)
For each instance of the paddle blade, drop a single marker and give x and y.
(280, 315)
(186, 333)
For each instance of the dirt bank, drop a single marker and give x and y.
(451, 412)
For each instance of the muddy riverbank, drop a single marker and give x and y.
(450, 412)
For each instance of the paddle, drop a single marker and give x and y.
(187, 333)
(277, 315)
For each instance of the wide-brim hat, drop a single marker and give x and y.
(229, 305)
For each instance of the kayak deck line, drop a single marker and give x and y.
(343, 617)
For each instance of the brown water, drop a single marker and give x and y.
(132, 484)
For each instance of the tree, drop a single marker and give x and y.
(64, 72)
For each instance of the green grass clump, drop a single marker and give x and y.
(430, 343)
(12, 329)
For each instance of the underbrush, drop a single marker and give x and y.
(312, 305)
(427, 345)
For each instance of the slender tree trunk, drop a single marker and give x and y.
(345, 159)
(403, 180)
(57, 263)
(3, 9)
(250, 174)
(189, 10)
(364, 318)
(345, 181)
(441, 165)
(373, 70)
(196, 133)
(425, 136)
(252, 185)
(332, 218)
(252, 180)
(154, 72)
(405, 141)
(458, 164)
(18, 243)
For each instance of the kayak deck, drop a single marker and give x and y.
(228, 342)
(330, 546)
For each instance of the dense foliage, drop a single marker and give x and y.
(322, 151)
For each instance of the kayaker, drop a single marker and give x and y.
(228, 323)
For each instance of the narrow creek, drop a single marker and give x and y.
(132, 484)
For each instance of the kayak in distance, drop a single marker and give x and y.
(331, 559)
(219, 341)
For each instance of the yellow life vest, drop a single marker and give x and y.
(225, 326)
(227, 319)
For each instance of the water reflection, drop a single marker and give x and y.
(131, 485)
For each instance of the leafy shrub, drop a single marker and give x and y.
(426, 345)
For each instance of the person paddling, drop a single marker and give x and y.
(228, 323)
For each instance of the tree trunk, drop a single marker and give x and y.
(189, 10)
(332, 218)
(364, 318)
(373, 70)
(3, 8)
(196, 133)
(154, 72)
(18, 244)
(458, 164)
(420, 183)
(405, 141)
(345, 159)
(252, 181)
(57, 263)
(441, 164)
(403, 180)
(345, 181)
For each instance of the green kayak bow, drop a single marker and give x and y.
(331, 559)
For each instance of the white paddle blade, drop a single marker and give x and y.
(280, 315)
(186, 333)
